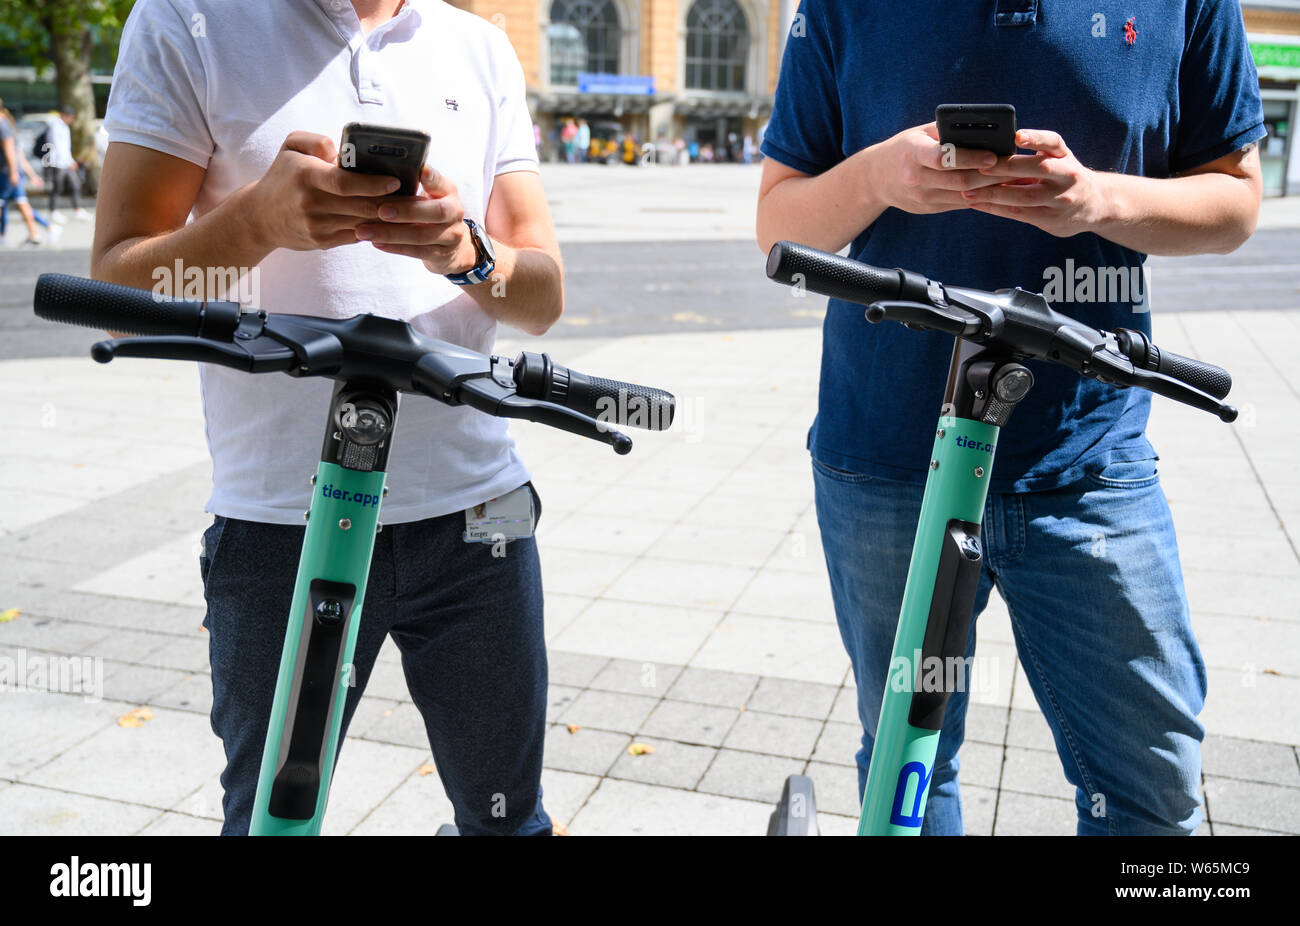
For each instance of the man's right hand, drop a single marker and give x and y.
(911, 171)
(306, 202)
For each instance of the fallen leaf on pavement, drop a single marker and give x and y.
(135, 718)
(574, 728)
(427, 768)
(640, 749)
(7, 616)
(559, 829)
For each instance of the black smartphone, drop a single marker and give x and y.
(381, 149)
(984, 126)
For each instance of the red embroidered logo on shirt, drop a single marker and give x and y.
(1130, 31)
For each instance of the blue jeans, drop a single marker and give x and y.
(1091, 578)
(469, 628)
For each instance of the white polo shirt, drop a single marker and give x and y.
(221, 84)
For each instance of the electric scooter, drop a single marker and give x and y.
(994, 331)
(372, 360)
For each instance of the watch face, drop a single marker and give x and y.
(485, 245)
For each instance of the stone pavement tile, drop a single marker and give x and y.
(33, 631)
(1230, 757)
(188, 653)
(558, 700)
(191, 693)
(204, 801)
(1032, 815)
(709, 686)
(561, 609)
(845, 709)
(838, 744)
(564, 793)
(727, 546)
(155, 764)
(806, 650)
(833, 824)
(1210, 590)
(55, 602)
(1253, 706)
(1224, 829)
(417, 807)
(639, 631)
(370, 710)
(179, 824)
(707, 586)
(977, 807)
(1032, 771)
(134, 614)
(980, 764)
(985, 723)
(137, 684)
(774, 734)
(631, 676)
(600, 534)
(127, 645)
(367, 773)
(800, 699)
(166, 573)
(403, 727)
(1029, 729)
(39, 726)
(581, 572)
(993, 676)
(20, 509)
(609, 710)
(672, 764)
(590, 752)
(688, 722)
(31, 811)
(1250, 803)
(630, 808)
(1231, 642)
(779, 593)
(744, 511)
(573, 669)
(749, 776)
(633, 503)
(1263, 553)
(387, 681)
(835, 789)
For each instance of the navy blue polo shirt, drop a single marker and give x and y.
(1182, 93)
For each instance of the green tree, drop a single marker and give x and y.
(62, 34)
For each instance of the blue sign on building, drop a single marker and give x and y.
(630, 84)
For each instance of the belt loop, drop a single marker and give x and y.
(1016, 13)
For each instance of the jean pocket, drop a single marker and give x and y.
(211, 542)
(1125, 474)
(839, 475)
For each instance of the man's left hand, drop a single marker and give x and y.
(1049, 189)
(429, 226)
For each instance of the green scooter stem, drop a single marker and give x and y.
(902, 758)
(336, 552)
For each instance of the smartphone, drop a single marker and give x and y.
(984, 126)
(381, 149)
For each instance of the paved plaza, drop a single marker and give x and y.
(687, 604)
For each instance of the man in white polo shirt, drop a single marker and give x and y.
(227, 115)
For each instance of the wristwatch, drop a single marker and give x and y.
(487, 258)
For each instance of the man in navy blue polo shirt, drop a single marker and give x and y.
(1142, 122)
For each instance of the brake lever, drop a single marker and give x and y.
(249, 356)
(948, 319)
(488, 395)
(1117, 369)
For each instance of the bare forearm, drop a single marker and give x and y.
(526, 290)
(827, 211)
(1197, 214)
(225, 238)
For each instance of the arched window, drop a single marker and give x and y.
(717, 46)
(585, 36)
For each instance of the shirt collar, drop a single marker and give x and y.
(403, 25)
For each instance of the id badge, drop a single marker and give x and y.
(508, 517)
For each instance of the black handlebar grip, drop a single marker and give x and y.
(607, 400)
(832, 275)
(1204, 376)
(113, 307)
